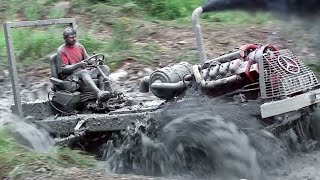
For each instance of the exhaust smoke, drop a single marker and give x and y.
(297, 7)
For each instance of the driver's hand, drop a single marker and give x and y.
(90, 62)
(83, 64)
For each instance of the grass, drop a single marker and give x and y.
(32, 46)
(16, 159)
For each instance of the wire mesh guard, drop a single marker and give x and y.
(284, 74)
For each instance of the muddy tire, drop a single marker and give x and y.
(212, 144)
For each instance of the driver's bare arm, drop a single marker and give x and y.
(86, 55)
(71, 68)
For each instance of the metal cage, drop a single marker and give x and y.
(10, 51)
(283, 74)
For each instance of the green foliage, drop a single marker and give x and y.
(162, 9)
(120, 40)
(56, 13)
(30, 9)
(81, 6)
(15, 8)
(32, 46)
(114, 1)
(12, 154)
(169, 9)
(48, 2)
(32, 12)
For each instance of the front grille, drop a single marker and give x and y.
(283, 74)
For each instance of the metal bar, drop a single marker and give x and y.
(198, 33)
(289, 104)
(13, 69)
(262, 77)
(42, 22)
(225, 58)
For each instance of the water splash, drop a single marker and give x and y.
(197, 138)
(26, 134)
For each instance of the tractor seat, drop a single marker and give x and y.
(59, 84)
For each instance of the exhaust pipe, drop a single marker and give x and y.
(158, 85)
(168, 86)
(144, 84)
(198, 33)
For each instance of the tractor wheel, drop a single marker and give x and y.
(209, 144)
(315, 125)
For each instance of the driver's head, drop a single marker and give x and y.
(70, 36)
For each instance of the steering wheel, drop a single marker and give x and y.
(98, 58)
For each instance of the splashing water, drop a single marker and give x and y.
(197, 138)
(27, 134)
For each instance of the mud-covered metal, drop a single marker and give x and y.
(295, 103)
(167, 82)
(65, 125)
(45, 116)
(13, 68)
(36, 110)
(198, 33)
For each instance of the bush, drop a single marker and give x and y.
(163, 9)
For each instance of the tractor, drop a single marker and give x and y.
(186, 128)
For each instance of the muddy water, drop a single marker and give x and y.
(196, 138)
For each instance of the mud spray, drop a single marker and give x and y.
(198, 138)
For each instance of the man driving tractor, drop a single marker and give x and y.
(74, 66)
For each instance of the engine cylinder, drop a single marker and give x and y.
(171, 74)
(234, 66)
(214, 71)
(224, 69)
